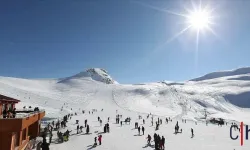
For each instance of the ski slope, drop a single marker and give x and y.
(125, 137)
(222, 97)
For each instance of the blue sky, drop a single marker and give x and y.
(59, 38)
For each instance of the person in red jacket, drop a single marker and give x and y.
(100, 139)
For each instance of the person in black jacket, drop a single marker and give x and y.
(108, 127)
(5, 113)
(45, 145)
(87, 130)
(139, 129)
(163, 142)
(14, 113)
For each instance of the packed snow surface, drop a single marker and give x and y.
(225, 97)
(126, 137)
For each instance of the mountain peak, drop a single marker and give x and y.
(97, 74)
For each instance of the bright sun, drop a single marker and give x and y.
(199, 19)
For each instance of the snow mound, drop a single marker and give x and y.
(239, 71)
(96, 74)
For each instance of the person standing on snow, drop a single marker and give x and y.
(142, 130)
(50, 136)
(95, 141)
(105, 128)
(108, 127)
(163, 142)
(100, 139)
(100, 122)
(45, 145)
(87, 130)
(139, 129)
(81, 128)
(149, 139)
(156, 141)
(77, 129)
(85, 122)
(192, 132)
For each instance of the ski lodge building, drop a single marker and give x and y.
(16, 133)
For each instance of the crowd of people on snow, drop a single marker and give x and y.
(159, 141)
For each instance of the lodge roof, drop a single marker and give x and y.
(8, 99)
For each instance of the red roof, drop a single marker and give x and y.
(8, 99)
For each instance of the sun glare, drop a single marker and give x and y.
(199, 19)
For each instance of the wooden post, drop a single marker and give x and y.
(20, 138)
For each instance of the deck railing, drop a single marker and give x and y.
(24, 113)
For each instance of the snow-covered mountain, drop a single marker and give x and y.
(96, 74)
(219, 97)
(94, 88)
(239, 71)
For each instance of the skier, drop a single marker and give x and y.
(136, 125)
(108, 127)
(62, 124)
(156, 141)
(100, 139)
(98, 118)
(192, 132)
(157, 127)
(139, 129)
(77, 129)
(105, 128)
(95, 141)
(149, 139)
(163, 142)
(143, 121)
(85, 122)
(67, 134)
(87, 130)
(81, 128)
(143, 130)
(160, 142)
